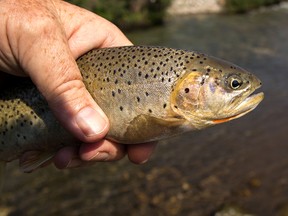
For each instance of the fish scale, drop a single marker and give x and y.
(147, 93)
(148, 72)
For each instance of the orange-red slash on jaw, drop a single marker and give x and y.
(219, 121)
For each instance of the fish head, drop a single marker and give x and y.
(215, 92)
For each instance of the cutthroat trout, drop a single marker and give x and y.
(148, 94)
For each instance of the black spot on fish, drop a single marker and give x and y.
(147, 94)
(150, 111)
(121, 108)
(164, 105)
(202, 81)
(186, 90)
(146, 76)
(138, 99)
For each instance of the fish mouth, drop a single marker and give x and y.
(246, 106)
(249, 104)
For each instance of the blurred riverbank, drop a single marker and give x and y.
(133, 14)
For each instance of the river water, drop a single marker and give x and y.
(242, 163)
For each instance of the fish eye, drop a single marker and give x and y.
(235, 82)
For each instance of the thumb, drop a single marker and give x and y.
(55, 73)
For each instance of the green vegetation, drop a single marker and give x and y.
(128, 13)
(241, 6)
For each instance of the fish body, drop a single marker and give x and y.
(147, 93)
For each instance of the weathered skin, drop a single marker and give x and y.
(148, 94)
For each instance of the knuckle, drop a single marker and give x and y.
(66, 94)
(31, 17)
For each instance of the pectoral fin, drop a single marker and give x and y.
(34, 160)
(146, 128)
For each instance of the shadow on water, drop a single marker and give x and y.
(243, 162)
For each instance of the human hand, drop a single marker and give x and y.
(41, 39)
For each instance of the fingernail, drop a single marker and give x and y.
(90, 121)
(74, 163)
(100, 156)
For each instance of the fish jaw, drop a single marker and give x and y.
(246, 106)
